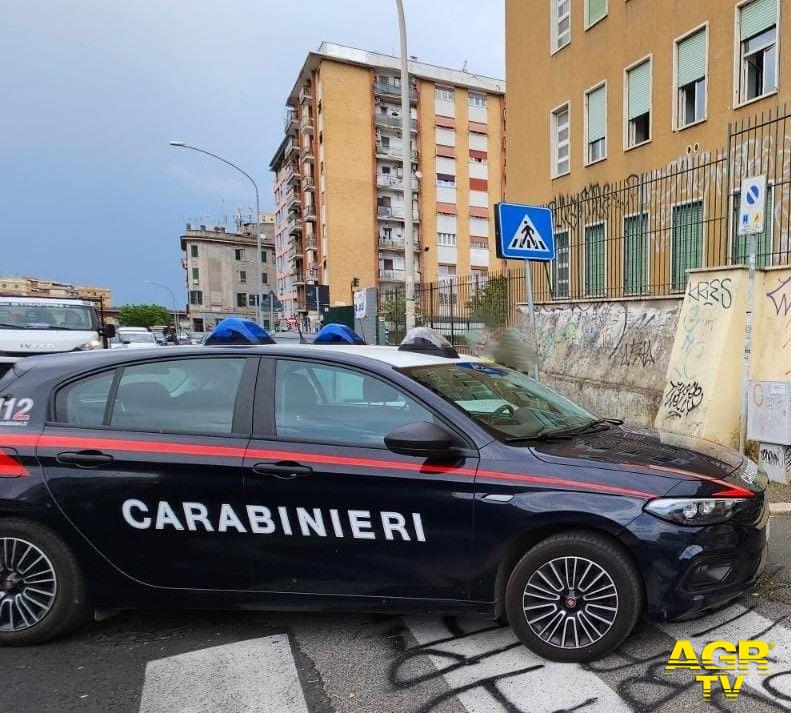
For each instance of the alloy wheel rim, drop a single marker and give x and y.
(570, 602)
(28, 584)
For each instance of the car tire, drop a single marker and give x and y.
(574, 597)
(58, 602)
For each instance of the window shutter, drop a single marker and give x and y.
(692, 58)
(597, 9)
(597, 114)
(758, 16)
(639, 87)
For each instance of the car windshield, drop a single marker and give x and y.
(21, 315)
(137, 337)
(505, 402)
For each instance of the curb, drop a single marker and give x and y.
(780, 508)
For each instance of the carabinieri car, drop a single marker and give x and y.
(355, 478)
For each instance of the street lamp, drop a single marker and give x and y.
(175, 309)
(406, 144)
(260, 281)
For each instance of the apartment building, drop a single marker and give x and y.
(632, 103)
(35, 287)
(221, 270)
(339, 193)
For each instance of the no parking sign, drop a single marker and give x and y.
(752, 209)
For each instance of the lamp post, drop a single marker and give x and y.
(260, 280)
(406, 144)
(175, 309)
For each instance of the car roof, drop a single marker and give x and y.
(76, 362)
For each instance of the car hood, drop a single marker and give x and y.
(42, 341)
(644, 450)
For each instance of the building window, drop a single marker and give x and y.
(477, 99)
(596, 124)
(264, 278)
(560, 265)
(757, 21)
(595, 10)
(264, 256)
(595, 250)
(195, 275)
(638, 104)
(243, 276)
(561, 142)
(446, 179)
(479, 243)
(196, 297)
(560, 30)
(691, 79)
(194, 250)
(447, 240)
(444, 94)
(252, 300)
(763, 241)
(240, 254)
(241, 299)
(635, 274)
(686, 242)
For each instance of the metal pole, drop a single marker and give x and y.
(271, 310)
(748, 338)
(260, 282)
(175, 309)
(532, 311)
(406, 143)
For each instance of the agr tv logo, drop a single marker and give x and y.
(721, 657)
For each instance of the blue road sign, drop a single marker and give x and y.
(524, 232)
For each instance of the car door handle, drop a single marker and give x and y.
(84, 459)
(285, 470)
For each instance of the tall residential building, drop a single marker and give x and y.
(35, 287)
(221, 271)
(605, 92)
(339, 184)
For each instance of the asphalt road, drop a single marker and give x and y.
(241, 662)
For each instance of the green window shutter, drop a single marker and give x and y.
(638, 84)
(597, 114)
(636, 254)
(692, 58)
(560, 266)
(594, 260)
(597, 9)
(687, 242)
(758, 16)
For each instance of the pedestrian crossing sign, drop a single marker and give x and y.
(524, 232)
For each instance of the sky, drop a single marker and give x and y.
(93, 90)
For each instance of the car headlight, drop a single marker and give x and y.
(93, 344)
(694, 511)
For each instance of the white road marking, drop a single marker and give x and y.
(552, 687)
(748, 625)
(243, 677)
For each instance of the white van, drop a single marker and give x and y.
(133, 338)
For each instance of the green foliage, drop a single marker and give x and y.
(143, 315)
(490, 303)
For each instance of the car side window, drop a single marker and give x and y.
(318, 402)
(83, 403)
(178, 396)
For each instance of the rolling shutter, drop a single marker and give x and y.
(692, 58)
(758, 16)
(639, 87)
(597, 114)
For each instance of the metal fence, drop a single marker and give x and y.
(634, 237)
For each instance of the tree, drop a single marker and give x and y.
(144, 315)
(489, 304)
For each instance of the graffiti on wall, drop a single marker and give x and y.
(682, 397)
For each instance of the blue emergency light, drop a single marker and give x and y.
(234, 330)
(338, 334)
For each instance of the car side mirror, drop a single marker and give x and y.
(108, 331)
(423, 440)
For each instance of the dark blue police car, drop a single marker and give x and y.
(354, 478)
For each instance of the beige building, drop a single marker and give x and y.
(637, 119)
(339, 182)
(221, 271)
(34, 287)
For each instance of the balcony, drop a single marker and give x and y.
(307, 155)
(298, 278)
(396, 213)
(294, 177)
(385, 151)
(388, 89)
(313, 274)
(396, 276)
(310, 213)
(292, 148)
(294, 228)
(290, 121)
(308, 184)
(292, 200)
(306, 95)
(393, 122)
(396, 243)
(306, 124)
(311, 245)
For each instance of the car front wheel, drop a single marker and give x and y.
(574, 597)
(42, 591)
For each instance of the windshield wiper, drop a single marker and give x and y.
(598, 424)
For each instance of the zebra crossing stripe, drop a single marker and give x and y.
(493, 672)
(243, 677)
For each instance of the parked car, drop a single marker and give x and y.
(133, 338)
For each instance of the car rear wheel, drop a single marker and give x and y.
(42, 591)
(574, 597)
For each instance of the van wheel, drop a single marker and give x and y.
(42, 590)
(574, 597)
